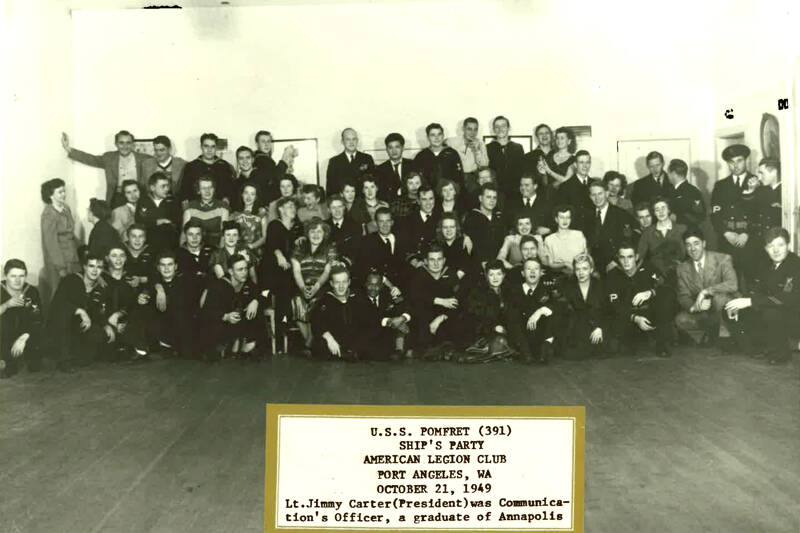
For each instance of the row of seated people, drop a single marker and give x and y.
(528, 310)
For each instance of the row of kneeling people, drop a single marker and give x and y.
(390, 309)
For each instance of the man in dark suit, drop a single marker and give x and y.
(345, 231)
(505, 157)
(438, 160)
(530, 202)
(769, 197)
(120, 165)
(160, 214)
(382, 321)
(654, 185)
(706, 283)
(419, 227)
(607, 228)
(383, 252)
(529, 315)
(575, 191)
(765, 319)
(726, 199)
(350, 164)
(391, 173)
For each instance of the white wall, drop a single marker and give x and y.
(628, 70)
(37, 105)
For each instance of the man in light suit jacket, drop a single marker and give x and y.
(164, 162)
(706, 282)
(350, 164)
(124, 216)
(120, 165)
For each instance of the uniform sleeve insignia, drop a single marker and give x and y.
(697, 202)
(715, 208)
(363, 167)
(776, 204)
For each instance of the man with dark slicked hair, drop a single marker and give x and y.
(438, 160)
(391, 173)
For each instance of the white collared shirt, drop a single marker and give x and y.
(390, 238)
(603, 210)
(127, 168)
(526, 287)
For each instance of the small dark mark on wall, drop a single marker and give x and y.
(163, 7)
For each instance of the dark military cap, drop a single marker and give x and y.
(735, 150)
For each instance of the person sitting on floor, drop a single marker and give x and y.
(484, 318)
(706, 283)
(383, 321)
(20, 320)
(230, 312)
(433, 296)
(77, 327)
(333, 320)
(529, 315)
(585, 320)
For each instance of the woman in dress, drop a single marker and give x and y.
(557, 166)
(312, 259)
(561, 248)
(252, 221)
(661, 245)
(363, 209)
(585, 325)
(276, 268)
(59, 244)
(457, 256)
(617, 183)
(287, 186)
(448, 198)
(510, 253)
(409, 200)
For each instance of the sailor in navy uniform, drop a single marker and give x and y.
(765, 318)
(726, 199)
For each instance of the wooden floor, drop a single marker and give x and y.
(697, 443)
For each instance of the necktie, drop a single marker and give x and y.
(396, 169)
(375, 302)
(698, 266)
(388, 245)
(350, 158)
(529, 292)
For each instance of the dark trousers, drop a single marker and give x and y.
(658, 310)
(376, 343)
(82, 347)
(32, 355)
(528, 342)
(768, 329)
(148, 326)
(449, 331)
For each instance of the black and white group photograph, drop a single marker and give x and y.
(212, 206)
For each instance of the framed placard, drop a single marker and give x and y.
(424, 468)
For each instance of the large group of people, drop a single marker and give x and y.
(468, 252)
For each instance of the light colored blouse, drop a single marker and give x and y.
(561, 248)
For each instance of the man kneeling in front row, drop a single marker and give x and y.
(529, 315)
(765, 319)
(706, 282)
